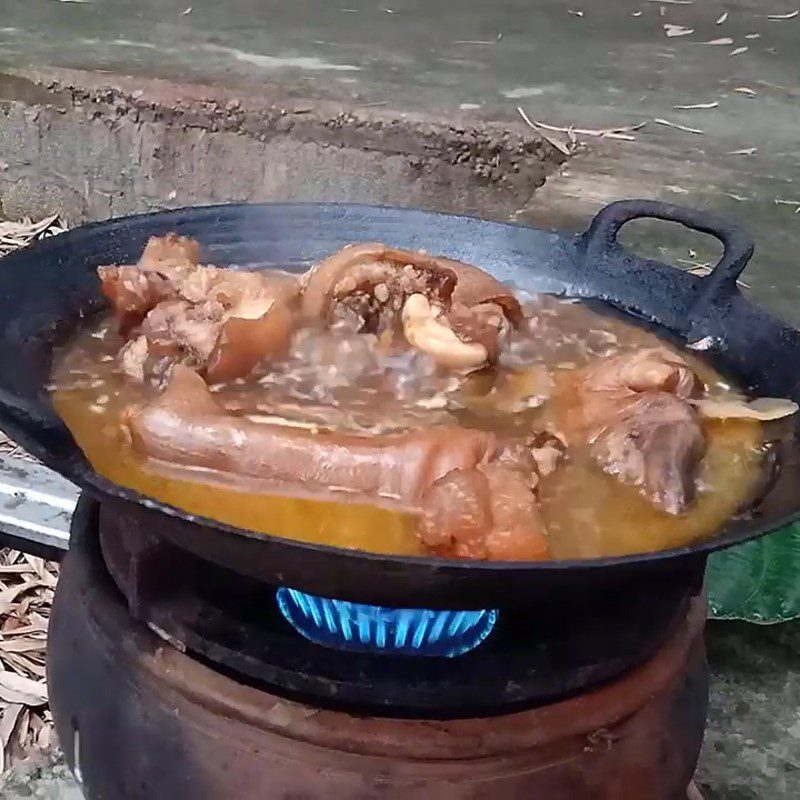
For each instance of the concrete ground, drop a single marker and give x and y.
(113, 106)
(469, 63)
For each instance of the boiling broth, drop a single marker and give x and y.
(340, 380)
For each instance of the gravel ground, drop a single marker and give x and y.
(44, 777)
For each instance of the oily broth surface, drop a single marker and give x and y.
(337, 382)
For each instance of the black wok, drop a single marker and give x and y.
(46, 289)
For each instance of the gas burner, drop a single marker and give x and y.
(365, 659)
(138, 718)
(391, 631)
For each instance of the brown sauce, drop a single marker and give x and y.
(340, 381)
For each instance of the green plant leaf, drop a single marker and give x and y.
(758, 581)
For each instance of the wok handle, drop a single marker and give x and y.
(601, 236)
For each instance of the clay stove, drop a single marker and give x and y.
(172, 677)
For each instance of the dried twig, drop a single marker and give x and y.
(796, 203)
(694, 106)
(703, 270)
(780, 17)
(618, 132)
(685, 128)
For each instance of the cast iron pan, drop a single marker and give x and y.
(47, 288)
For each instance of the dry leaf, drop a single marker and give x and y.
(697, 105)
(764, 409)
(35, 726)
(669, 124)
(26, 666)
(44, 741)
(16, 747)
(19, 689)
(693, 793)
(23, 630)
(557, 143)
(738, 51)
(15, 569)
(14, 235)
(26, 587)
(40, 568)
(22, 645)
(724, 40)
(778, 17)
(677, 30)
(8, 596)
(722, 18)
(8, 722)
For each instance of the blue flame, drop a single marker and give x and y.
(397, 631)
